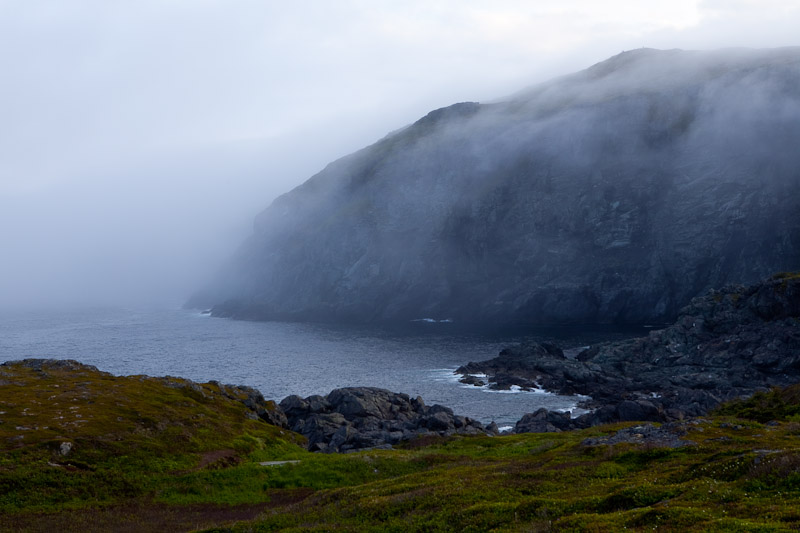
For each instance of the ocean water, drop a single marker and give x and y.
(280, 358)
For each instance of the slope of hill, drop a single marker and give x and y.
(86, 451)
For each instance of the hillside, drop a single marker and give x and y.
(75, 438)
(613, 195)
(86, 451)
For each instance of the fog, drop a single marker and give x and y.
(139, 140)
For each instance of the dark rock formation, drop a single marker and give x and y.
(355, 418)
(726, 344)
(613, 195)
(664, 436)
(45, 365)
(266, 410)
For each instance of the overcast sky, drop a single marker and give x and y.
(139, 138)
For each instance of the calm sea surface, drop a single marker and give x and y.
(281, 358)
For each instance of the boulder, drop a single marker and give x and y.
(355, 418)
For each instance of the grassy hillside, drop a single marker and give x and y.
(73, 438)
(169, 455)
(739, 476)
(776, 404)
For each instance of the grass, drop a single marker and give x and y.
(146, 460)
(128, 439)
(548, 482)
(776, 404)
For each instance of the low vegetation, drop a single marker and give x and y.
(775, 404)
(83, 450)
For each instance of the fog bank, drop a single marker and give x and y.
(139, 140)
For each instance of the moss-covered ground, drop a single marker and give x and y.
(154, 455)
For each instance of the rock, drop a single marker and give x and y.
(438, 422)
(726, 344)
(321, 427)
(666, 436)
(472, 380)
(317, 404)
(535, 423)
(319, 447)
(629, 410)
(417, 404)
(435, 409)
(294, 405)
(545, 421)
(355, 418)
(266, 410)
(43, 365)
(342, 435)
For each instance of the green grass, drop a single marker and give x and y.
(130, 438)
(776, 404)
(146, 459)
(553, 483)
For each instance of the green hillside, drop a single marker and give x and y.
(165, 454)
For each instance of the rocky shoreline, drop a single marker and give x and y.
(727, 344)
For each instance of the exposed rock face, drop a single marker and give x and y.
(725, 344)
(363, 417)
(613, 195)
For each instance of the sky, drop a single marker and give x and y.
(139, 138)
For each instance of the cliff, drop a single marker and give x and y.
(613, 195)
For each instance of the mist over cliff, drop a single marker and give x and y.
(611, 195)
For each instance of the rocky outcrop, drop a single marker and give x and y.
(726, 344)
(355, 418)
(613, 195)
(266, 410)
(44, 366)
(663, 436)
(258, 407)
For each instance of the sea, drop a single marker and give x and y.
(284, 358)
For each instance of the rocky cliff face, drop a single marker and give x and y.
(612, 195)
(725, 345)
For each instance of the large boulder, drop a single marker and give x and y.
(355, 418)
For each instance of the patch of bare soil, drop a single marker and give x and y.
(219, 459)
